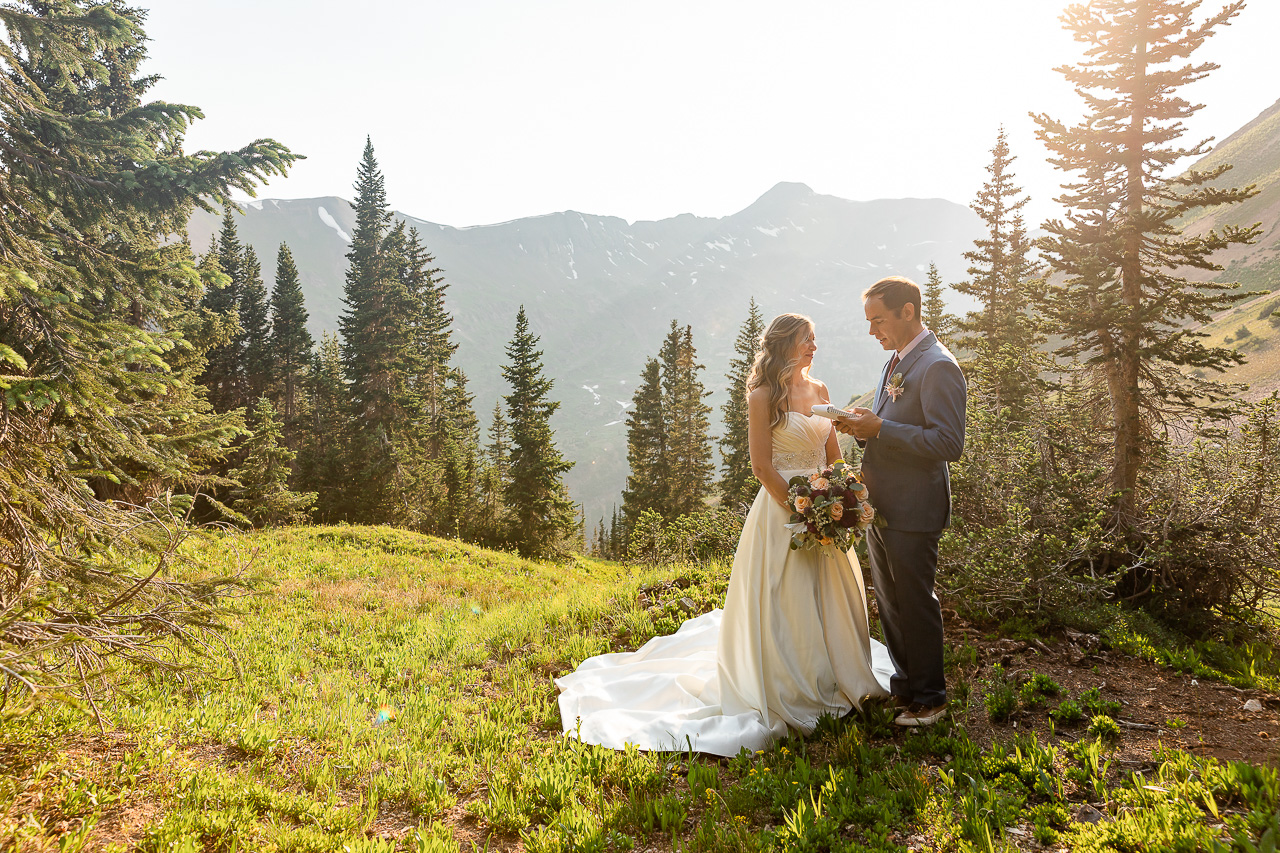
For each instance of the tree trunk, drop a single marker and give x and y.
(1125, 391)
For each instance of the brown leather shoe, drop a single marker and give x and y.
(919, 714)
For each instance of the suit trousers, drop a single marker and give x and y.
(903, 567)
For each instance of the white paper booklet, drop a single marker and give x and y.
(829, 411)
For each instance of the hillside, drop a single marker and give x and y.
(1254, 154)
(602, 292)
(1259, 319)
(393, 692)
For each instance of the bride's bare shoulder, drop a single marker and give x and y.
(820, 389)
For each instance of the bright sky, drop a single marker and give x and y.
(488, 110)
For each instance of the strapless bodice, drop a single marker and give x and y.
(800, 442)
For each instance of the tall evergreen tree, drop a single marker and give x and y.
(647, 455)
(99, 329)
(223, 374)
(541, 514)
(1121, 305)
(1002, 333)
(254, 341)
(379, 360)
(690, 468)
(738, 486)
(291, 343)
(934, 308)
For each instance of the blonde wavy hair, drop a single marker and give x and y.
(775, 362)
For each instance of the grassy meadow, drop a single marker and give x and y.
(386, 691)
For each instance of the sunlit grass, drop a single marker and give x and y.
(393, 692)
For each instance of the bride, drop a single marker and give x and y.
(791, 643)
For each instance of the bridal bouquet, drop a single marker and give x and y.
(829, 507)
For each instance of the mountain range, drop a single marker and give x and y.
(601, 293)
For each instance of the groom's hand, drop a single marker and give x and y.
(864, 424)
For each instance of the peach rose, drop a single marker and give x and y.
(837, 511)
(866, 512)
(803, 503)
(820, 483)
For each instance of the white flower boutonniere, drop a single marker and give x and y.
(894, 388)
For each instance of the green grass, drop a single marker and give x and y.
(392, 692)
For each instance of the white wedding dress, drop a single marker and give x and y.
(790, 645)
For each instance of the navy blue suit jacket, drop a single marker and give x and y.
(905, 466)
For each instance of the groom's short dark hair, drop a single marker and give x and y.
(895, 291)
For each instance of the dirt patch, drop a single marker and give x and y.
(1159, 707)
(81, 759)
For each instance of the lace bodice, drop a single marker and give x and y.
(800, 442)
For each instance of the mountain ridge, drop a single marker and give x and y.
(601, 292)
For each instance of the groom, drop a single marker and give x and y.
(913, 429)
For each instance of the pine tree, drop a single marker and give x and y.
(380, 360)
(1120, 305)
(459, 459)
(223, 375)
(263, 494)
(690, 468)
(617, 535)
(542, 516)
(291, 343)
(254, 341)
(647, 455)
(323, 457)
(738, 486)
(1002, 333)
(101, 338)
(934, 308)
(432, 335)
(493, 478)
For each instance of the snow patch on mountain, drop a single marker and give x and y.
(328, 219)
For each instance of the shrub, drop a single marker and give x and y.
(1243, 332)
(699, 537)
(1032, 537)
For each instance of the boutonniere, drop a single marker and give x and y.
(894, 388)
